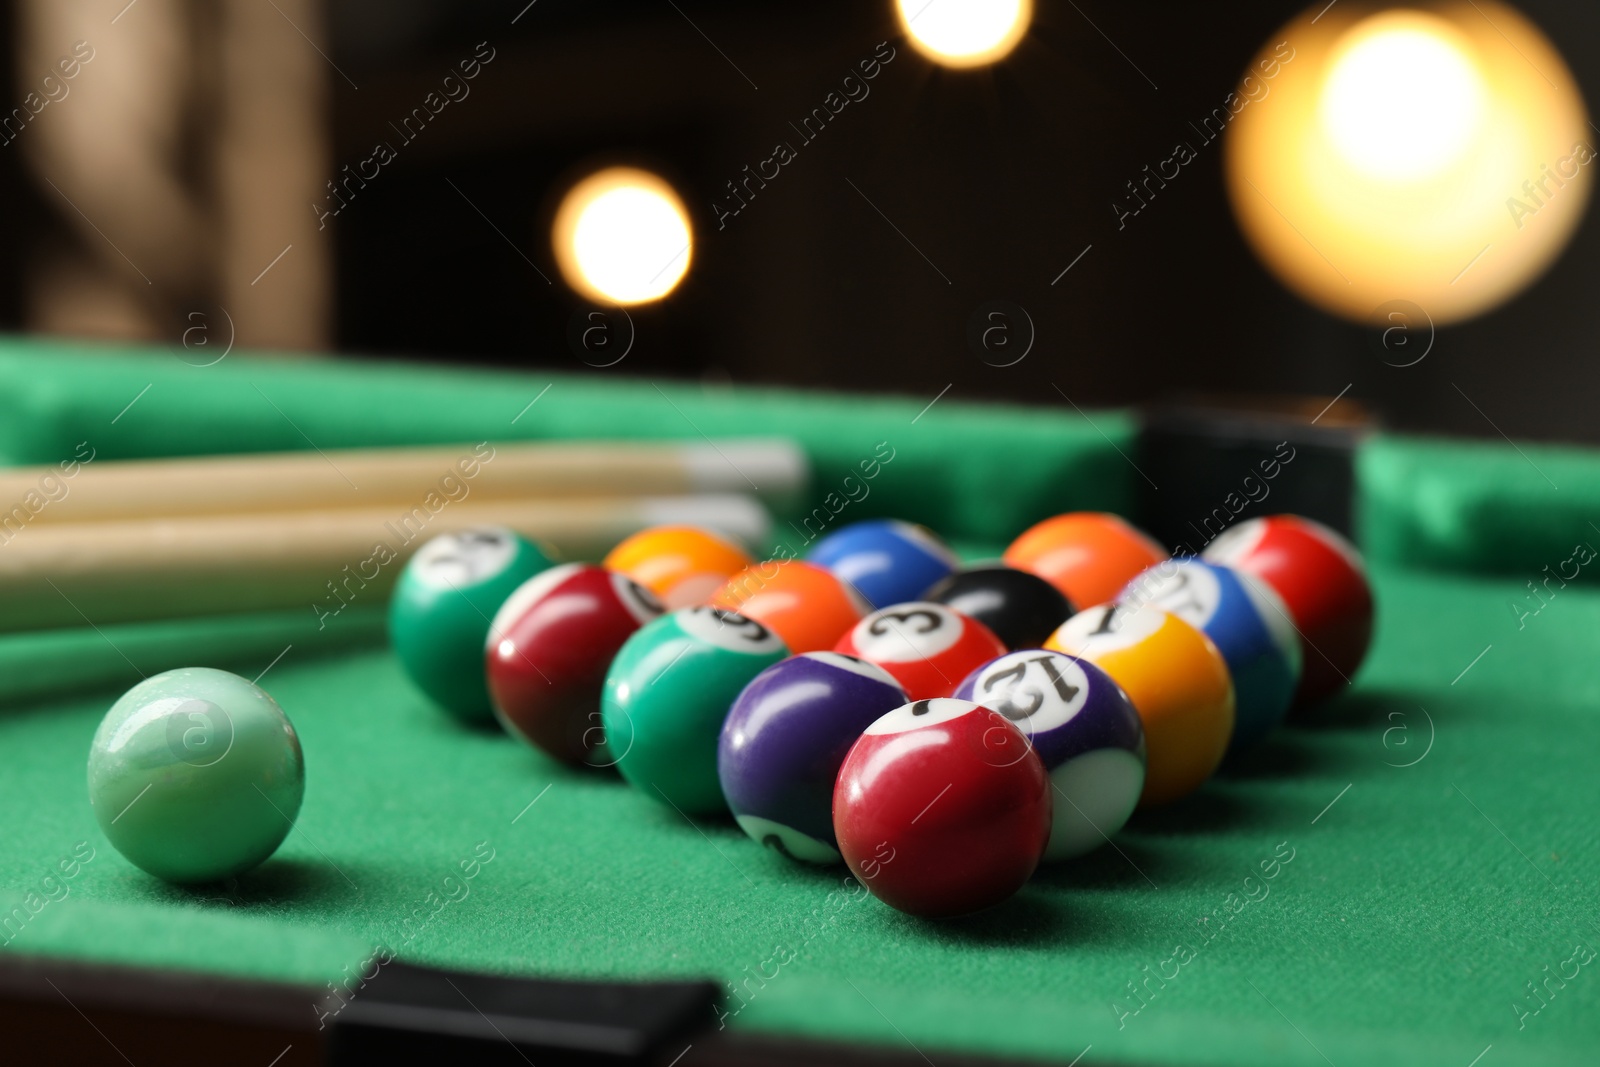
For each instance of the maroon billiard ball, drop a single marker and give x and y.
(548, 651)
(942, 808)
(1320, 577)
(928, 648)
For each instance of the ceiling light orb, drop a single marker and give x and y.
(965, 33)
(622, 236)
(1438, 155)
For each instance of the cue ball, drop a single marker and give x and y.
(1088, 555)
(682, 565)
(196, 775)
(1247, 622)
(1022, 609)
(928, 648)
(1086, 732)
(667, 694)
(1322, 581)
(440, 611)
(886, 560)
(1178, 683)
(805, 605)
(786, 737)
(942, 808)
(548, 650)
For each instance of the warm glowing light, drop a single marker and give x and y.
(1436, 156)
(1403, 98)
(622, 236)
(965, 33)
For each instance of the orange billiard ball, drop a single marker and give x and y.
(1177, 680)
(1088, 555)
(683, 565)
(806, 606)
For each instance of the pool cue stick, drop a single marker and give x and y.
(73, 574)
(107, 490)
(48, 664)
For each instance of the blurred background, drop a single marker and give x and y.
(221, 165)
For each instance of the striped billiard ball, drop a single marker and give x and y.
(783, 743)
(1248, 623)
(1084, 728)
(440, 610)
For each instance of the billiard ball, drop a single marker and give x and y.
(805, 605)
(1178, 683)
(942, 808)
(547, 653)
(1247, 622)
(1321, 579)
(1021, 609)
(440, 610)
(786, 737)
(1088, 555)
(667, 694)
(196, 775)
(681, 565)
(1085, 730)
(928, 648)
(886, 560)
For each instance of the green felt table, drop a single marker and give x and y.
(1430, 834)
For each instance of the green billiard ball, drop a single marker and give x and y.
(196, 775)
(439, 614)
(667, 693)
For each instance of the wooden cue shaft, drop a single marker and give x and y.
(71, 574)
(314, 481)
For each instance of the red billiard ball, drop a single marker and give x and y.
(942, 808)
(926, 647)
(548, 651)
(1322, 582)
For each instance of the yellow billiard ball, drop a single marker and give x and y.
(1177, 680)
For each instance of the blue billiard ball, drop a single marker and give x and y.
(888, 561)
(1086, 732)
(1248, 623)
(786, 737)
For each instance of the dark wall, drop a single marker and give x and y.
(865, 262)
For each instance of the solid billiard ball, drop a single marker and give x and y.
(1247, 622)
(196, 775)
(440, 610)
(786, 737)
(1178, 683)
(1085, 730)
(681, 565)
(1321, 579)
(548, 650)
(942, 808)
(667, 694)
(1022, 609)
(928, 648)
(886, 560)
(1088, 555)
(805, 605)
